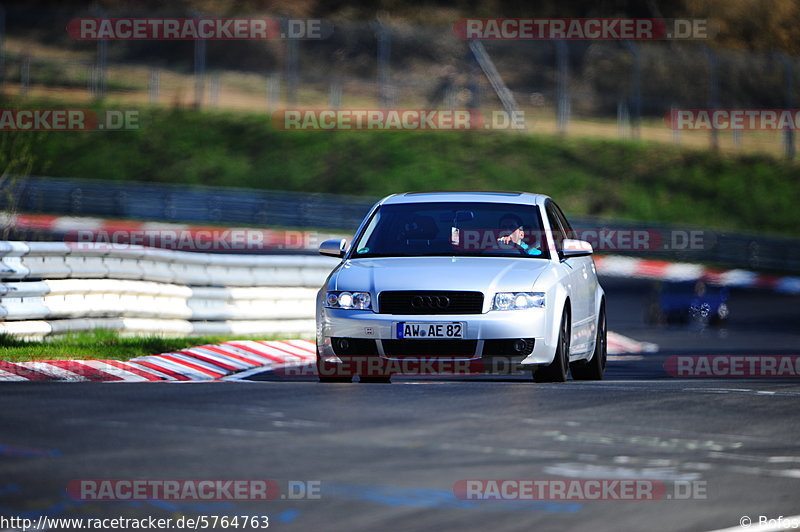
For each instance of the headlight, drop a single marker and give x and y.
(348, 300)
(518, 300)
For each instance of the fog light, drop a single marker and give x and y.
(342, 344)
(520, 345)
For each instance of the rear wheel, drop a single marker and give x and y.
(594, 368)
(556, 371)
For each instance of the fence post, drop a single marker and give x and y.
(474, 87)
(676, 133)
(384, 56)
(199, 69)
(102, 59)
(500, 88)
(214, 91)
(2, 46)
(273, 91)
(623, 119)
(291, 64)
(636, 88)
(154, 85)
(562, 87)
(713, 92)
(24, 75)
(335, 93)
(788, 76)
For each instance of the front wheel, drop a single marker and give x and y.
(331, 372)
(594, 368)
(556, 371)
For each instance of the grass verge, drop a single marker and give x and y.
(99, 345)
(638, 180)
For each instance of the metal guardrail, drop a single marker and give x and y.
(231, 206)
(49, 288)
(182, 203)
(752, 251)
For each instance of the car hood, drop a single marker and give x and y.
(485, 274)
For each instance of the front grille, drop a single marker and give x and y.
(505, 347)
(430, 302)
(354, 346)
(429, 348)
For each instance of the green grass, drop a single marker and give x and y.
(645, 181)
(98, 344)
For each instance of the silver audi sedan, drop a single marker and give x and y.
(460, 283)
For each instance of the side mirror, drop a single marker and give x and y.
(575, 248)
(334, 248)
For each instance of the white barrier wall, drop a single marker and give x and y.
(52, 287)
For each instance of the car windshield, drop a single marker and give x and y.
(453, 229)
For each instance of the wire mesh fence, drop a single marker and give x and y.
(591, 88)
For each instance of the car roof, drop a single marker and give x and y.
(525, 198)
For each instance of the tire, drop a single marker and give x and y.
(594, 368)
(376, 380)
(375, 374)
(325, 371)
(556, 371)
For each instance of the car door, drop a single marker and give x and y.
(589, 275)
(579, 280)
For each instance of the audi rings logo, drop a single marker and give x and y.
(433, 302)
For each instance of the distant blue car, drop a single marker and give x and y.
(688, 301)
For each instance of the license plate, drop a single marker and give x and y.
(445, 330)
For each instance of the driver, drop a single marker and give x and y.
(511, 224)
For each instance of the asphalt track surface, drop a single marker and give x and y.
(387, 456)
